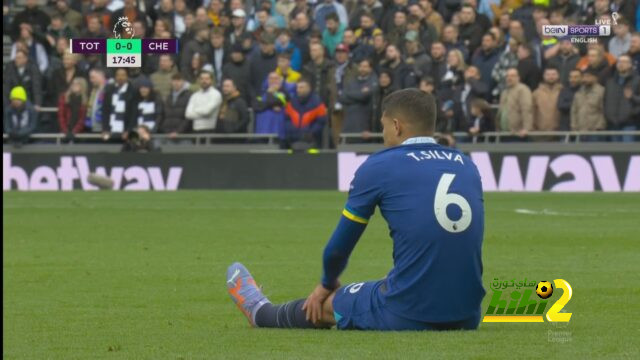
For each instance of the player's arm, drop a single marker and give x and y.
(339, 248)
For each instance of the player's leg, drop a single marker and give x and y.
(261, 312)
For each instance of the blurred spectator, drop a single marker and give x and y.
(58, 29)
(587, 112)
(527, 68)
(384, 88)
(284, 68)
(367, 30)
(546, 116)
(99, 8)
(622, 99)
(454, 73)
(438, 62)
(451, 40)
(191, 73)
(237, 69)
(508, 59)
(566, 7)
(118, 108)
(427, 33)
(161, 79)
(238, 27)
(621, 42)
(34, 48)
(306, 117)
(72, 108)
(68, 15)
(634, 51)
(445, 112)
(373, 7)
(333, 33)
(139, 140)
(301, 26)
(472, 89)
(417, 57)
(61, 77)
(198, 45)
(284, 8)
(403, 74)
(481, 119)
(597, 60)
(357, 100)
(269, 107)
(261, 63)
(515, 113)
(94, 29)
(284, 44)
(218, 54)
(20, 117)
(93, 120)
(321, 73)
(524, 14)
(470, 29)
(22, 72)
(395, 35)
(174, 120)
(379, 50)
(204, 105)
(148, 105)
(486, 58)
(234, 113)
(131, 12)
(565, 60)
(329, 7)
(32, 15)
(565, 98)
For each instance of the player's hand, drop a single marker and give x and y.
(313, 304)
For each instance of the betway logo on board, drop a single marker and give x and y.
(74, 169)
(572, 172)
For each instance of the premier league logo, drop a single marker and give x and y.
(123, 29)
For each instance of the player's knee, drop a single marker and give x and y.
(327, 310)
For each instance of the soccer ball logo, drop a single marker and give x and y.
(544, 289)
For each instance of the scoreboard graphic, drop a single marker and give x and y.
(123, 52)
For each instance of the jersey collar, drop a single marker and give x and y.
(419, 140)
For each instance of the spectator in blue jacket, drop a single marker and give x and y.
(284, 44)
(20, 118)
(269, 106)
(306, 117)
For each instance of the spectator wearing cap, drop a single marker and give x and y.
(416, 55)
(621, 42)
(174, 120)
(565, 60)
(527, 67)
(261, 63)
(306, 116)
(204, 105)
(321, 72)
(118, 108)
(515, 113)
(32, 15)
(161, 79)
(622, 99)
(284, 44)
(22, 72)
(329, 7)
(237, 69)
(486, 58)
(284, 69)
(199, 44)
(234, 113)
(357, 100)
(333, 33)
(403, 74)
(148, 104)
(269, 107)
(72, 108)
(587, 110)
(546, 116)
(238, 27)
(565, 98)
(20, 117)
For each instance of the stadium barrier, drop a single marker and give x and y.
(583, 170)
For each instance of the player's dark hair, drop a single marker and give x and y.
(414, 107)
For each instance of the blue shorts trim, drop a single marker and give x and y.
(357, 307)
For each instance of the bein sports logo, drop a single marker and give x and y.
(74, 169)
(562, 173)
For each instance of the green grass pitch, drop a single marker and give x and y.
(114, 275)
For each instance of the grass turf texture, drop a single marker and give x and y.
(141, 275)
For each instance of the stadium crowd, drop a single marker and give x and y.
(303, 67)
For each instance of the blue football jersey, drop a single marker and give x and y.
(431, 198)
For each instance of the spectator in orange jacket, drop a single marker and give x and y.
(72, 106)
(306, 117)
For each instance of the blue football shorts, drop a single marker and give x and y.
(357, 307)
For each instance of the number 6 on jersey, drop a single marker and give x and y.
(444, 199)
